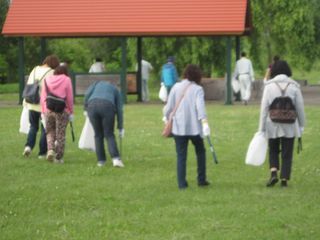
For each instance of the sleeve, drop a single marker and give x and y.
(200, 104)
(170, 103)
(88, 93)
(251, 71)
(300, 108)
(43, 97)
(264, 111)
(69, 99)
(119, 106)
(236, 71)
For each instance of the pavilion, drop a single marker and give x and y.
(128, 18)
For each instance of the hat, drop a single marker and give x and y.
(170, 59)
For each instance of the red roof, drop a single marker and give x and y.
(126, 17)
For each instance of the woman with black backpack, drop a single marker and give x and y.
(282, 119)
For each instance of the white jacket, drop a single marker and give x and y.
(271, 91)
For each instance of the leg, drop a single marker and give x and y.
(287, 145)
(43, 142)
(96, 122)
(51, 130)
(200, 150)
(61, 125)
(274, 150)
(181, 149)
(34, 127)
(108, 130)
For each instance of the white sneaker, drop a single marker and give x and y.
(42, 156)
(27, 151)
(101, 163)
(117, 162)
(58, 161)
(51, 155)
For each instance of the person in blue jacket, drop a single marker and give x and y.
(169, 74)
(103, 105)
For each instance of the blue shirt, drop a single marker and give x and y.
(169, 75)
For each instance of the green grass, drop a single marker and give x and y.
(78, 200)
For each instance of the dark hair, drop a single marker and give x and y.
(52, 61)
(192, 73)
(243, 54)
(276, 58)
(62, 69)
(280, 67)
(98, 59)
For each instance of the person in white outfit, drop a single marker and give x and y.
(146, 68)
(245, 75)
(97, 67)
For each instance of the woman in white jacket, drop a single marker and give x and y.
(281, 135)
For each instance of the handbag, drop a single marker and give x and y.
(163, 93)
(31, 91)
(167, 130)
(53, 102)
(257, 150)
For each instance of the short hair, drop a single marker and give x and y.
(280, 67)
(62, 69)
(170, 59)
(243, 54)
(276, 58)
(193, 73)
(98, 59)
(52, 61)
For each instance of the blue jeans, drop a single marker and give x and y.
(35, 119)
(181, 149)
(102, 116)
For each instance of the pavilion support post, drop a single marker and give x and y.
(123, 75)
(238, 47)
(21, 68)
(43, 49)
(228, 100)
(139, 78)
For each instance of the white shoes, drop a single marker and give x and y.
(101, 163)
(51, 155)
(58, 161)
(27, 151)
(117, 163)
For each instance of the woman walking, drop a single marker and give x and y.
(281, 135)
(60, 86)
(189, 123)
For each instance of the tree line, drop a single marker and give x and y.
(289, 28)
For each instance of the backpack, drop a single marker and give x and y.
(53, 102)
(31, 91)
(282, 109)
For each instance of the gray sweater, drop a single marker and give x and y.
(271, 91)
(187, 119)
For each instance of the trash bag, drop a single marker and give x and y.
(86, 140)
(24, 121)
(235, 85)
(163, 94)
(257, 150)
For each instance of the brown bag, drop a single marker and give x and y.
(167, 130)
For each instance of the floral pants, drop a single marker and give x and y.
(56, 124)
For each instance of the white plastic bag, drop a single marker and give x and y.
(257, 150)
(163, 94)
(86, 140)
(235, 85)
(24, 121)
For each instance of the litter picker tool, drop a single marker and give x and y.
(215, 159)
(72, 132)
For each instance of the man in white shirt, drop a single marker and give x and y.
(146, 68)
(97, 67)
(245, 75)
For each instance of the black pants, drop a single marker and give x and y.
(286, 151)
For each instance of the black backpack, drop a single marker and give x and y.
(282, 109)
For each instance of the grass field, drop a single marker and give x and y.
(78, 200)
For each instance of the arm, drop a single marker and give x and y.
(300, 109)
(264, 111)
(251, 71)
(69, 99)
(119, 107)
(88, 93)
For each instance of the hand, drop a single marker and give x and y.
(301, 129)
(164, 120)
(121, 133)
(85, 113)
(71, 117)
(161, 84)
(205, 128)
